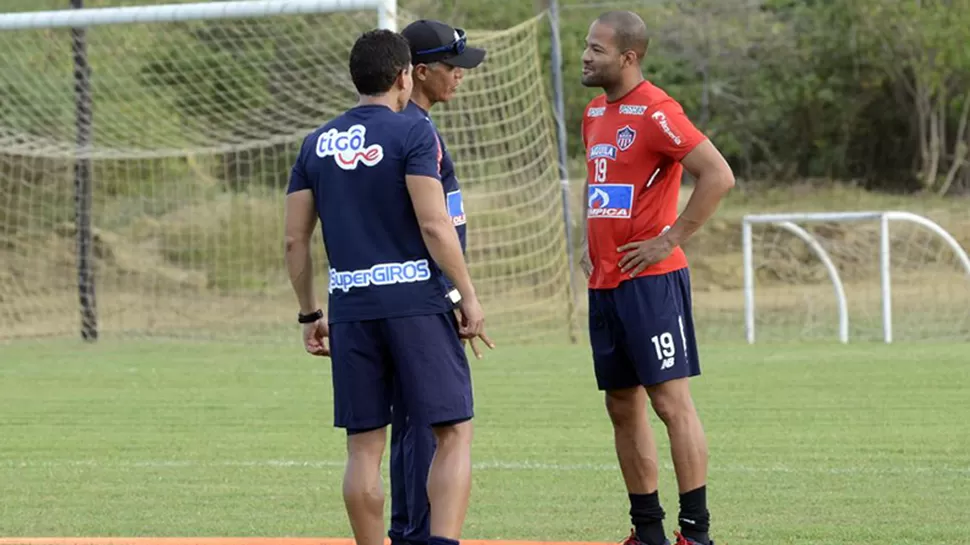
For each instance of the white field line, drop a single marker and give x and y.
(481, 466)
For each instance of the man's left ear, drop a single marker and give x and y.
(631, 58)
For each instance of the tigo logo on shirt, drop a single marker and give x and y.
(348, 148)
(611, 201)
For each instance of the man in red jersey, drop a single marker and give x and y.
(638, 141)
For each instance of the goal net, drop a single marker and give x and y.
(194, 128)
(851, 276)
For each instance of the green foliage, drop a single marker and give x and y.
(921, 47)
(794, 89)
(868, 90)
(227, 85)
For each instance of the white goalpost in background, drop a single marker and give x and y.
(170, 13)
(935, 269)
(144, 154)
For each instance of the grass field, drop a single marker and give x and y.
(810, 444)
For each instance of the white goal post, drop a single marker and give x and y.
(789, 222)
(170, 13)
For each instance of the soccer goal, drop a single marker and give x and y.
(144, 154)
(861, 275)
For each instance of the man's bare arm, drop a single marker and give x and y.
(713, 180)
(438, 231)
(585, 206)
(301, 220)
(584, 260)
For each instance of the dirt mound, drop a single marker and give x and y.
(35, 265)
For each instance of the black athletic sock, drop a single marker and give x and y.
(694, 518)
(438, 540)
(647, 517)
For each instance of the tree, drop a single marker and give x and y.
(922, 45)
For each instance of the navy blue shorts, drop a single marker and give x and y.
(642, 331)
(422, 354)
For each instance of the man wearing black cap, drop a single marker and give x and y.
(440, 56)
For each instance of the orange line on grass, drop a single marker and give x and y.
(240, 541)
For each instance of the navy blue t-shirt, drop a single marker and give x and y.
(356, 166)
(456, 206)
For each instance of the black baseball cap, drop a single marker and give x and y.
(434, 41)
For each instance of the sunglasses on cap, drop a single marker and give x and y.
(457, 46)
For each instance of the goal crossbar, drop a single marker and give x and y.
(168, 13)
(787, 221)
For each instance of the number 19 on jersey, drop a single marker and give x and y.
(600, 169)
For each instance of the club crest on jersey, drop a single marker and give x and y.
(609, 201)
(349, 148)
(456, 207)
(603, 150)
(625, 138)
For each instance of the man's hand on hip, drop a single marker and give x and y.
(641, 254)
(585, 262)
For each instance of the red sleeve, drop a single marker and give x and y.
(670, 132)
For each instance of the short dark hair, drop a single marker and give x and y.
(629, 31)
(377, 59)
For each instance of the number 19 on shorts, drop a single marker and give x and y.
(664, 345)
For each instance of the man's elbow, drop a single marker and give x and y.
(727, 178)
(435, 227)
(295, 243)
(720, 177)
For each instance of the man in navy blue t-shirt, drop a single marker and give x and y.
(440, 55)
(371, 177)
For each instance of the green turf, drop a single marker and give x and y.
(810, 444)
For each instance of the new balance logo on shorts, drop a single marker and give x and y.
(382, 274)
(612, 201)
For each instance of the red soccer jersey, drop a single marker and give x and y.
(633, 150)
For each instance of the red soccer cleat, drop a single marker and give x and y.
(681, 540)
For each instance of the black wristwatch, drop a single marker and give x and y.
(309, 318)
